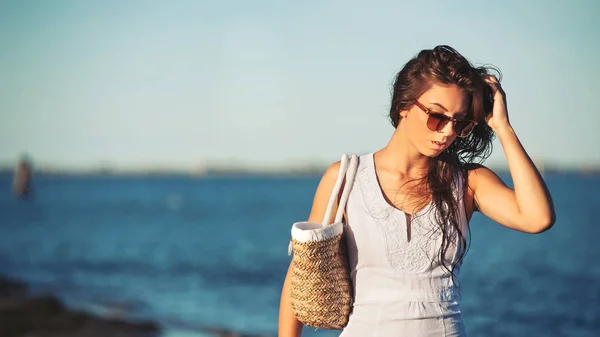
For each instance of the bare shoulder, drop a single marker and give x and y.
(482, 183)
(329, 178)
(478, 174)
(323, 193)
(332, 171)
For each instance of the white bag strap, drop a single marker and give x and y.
(347, 170)
(336, 190)
(350, 174)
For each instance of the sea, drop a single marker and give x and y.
(201, 252)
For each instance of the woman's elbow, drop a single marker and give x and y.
(541, 223)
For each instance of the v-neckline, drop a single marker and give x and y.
(381, 194)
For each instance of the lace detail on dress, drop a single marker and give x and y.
(415, 255)
(371, 194)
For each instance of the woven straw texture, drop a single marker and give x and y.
(321, 291)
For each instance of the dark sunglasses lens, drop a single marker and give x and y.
(437, 122)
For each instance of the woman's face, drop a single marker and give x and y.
(451, 101)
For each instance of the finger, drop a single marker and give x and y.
(494, 85)
(491, 79)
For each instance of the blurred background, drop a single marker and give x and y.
(163, 149)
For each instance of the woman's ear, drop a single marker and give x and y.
(403, 113)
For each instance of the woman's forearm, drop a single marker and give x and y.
(288, 326)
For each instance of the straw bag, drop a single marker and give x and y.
(321, 288)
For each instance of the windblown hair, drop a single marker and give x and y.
(445, 66)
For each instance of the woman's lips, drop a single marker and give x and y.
(438, 145)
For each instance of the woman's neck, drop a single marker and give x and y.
(401, 156)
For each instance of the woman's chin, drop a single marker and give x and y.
(431, 153)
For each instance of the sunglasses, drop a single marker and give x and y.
(437, 121)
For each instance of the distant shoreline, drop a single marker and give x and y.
(308, 170)
(170, 173)
(242, 171)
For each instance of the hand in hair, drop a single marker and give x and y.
(498, 119)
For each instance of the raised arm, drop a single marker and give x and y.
(528, 208)
(288, 325)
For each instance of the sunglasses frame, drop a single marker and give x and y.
(442, 117)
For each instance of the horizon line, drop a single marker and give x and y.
(240, 167)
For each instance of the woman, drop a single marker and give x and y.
(408, 212)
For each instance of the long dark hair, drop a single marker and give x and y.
(445, 66)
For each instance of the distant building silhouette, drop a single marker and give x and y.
(22, 185)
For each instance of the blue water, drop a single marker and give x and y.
(197, 252)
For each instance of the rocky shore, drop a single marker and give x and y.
(23, 315)
(45, 316)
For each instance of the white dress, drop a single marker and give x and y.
(400, 287)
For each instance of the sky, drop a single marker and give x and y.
(185, 83)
